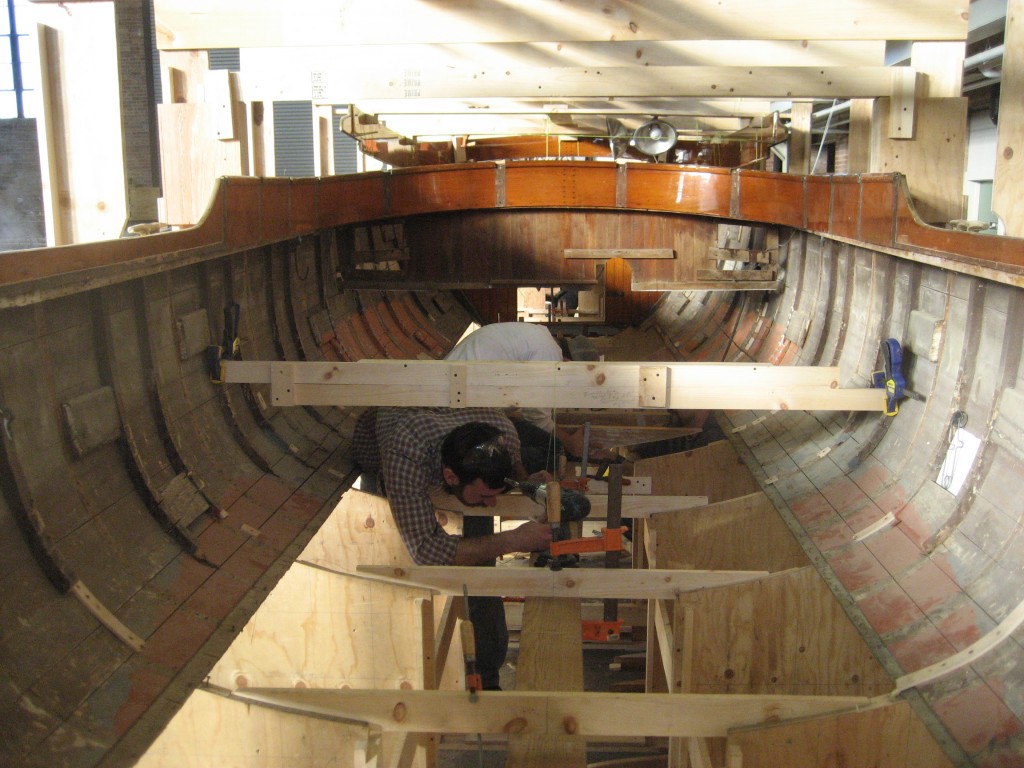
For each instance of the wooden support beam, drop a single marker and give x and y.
(632, 486)
(943, 67)
(433, 383)
(699, 755)
(337, 85)
(859, 157)
(1006, 198)
(605, 53)
(452, 611)
(713, 110)
(939, 131)
(619, 253)
(515, 506)
(550, 659)
(906, 84)
(543, 582)
(800, 138)
(81, 147)
(267, 23)
(556, 714)
(664, 630)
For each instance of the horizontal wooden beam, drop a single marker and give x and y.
(574, 582)
(335, 85)
(515, 506)
(665, 106)
(539, 713)
(263, 23)
(457, 384)
(619, 253)
(607, 53)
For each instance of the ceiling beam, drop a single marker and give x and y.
(189, 24)
(425, 127)
(683, 107)
(339, 86)
(714, 53)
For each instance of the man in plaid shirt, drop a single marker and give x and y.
(469, 452)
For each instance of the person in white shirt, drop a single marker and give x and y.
(522, 341)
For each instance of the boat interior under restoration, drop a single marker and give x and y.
(181, 586)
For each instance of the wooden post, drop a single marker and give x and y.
(800, 138)
(1006, 198)
(859, 153)
(550, 659)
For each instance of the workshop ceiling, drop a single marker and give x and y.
(435, 71)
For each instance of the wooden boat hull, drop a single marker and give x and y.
(147, 511)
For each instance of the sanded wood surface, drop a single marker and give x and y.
(525, 581)
(361, 530)
(322, 626)
(227, 732)
(936, 187)
(543, 713)
(604, 437)
(515, 506)
(533, 384)
(234, 23)
(600, 53)
(714, 470)
(887, 737)
(1007, 200)
(785, 633)
(744, 532)
(79, 121)
(550, 659)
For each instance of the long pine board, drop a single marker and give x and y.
(550, 659)
(534, 384)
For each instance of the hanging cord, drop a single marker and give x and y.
(552, 439)
(824, 135)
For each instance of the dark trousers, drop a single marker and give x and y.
(488, 617)
(487, 613)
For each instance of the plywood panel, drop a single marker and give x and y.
(888, 737)
(783, 634)
(714, 470)
(226, 732)
(745, 533)
(360, 531)
(323, 630)
(192, 159)
(320, 627)
(940, 135)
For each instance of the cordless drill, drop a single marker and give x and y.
(574, 508)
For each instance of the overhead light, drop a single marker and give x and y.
(654, 137)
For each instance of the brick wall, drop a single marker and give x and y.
(133, 20)
(21, 187)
